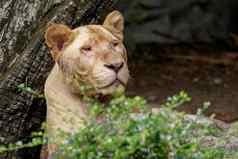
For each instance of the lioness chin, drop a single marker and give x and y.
(89, 60)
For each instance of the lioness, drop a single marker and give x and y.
(89, 60)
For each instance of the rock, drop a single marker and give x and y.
(217, 81)
(173, 22)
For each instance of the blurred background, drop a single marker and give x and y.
(186, 44)
(167, 22)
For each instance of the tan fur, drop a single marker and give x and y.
(58, 34)
(82, 57)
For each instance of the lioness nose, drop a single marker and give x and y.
(115, 66)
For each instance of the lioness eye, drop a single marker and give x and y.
(86, 48)
(115, 43)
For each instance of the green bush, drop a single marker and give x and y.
(127, 129)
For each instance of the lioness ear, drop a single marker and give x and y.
(115, 23)
(57, 37)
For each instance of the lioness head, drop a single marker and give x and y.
(92, 58)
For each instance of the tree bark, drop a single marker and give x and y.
(24, 58)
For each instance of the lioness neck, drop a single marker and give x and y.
(65, 110)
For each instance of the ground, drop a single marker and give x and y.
(201, 79)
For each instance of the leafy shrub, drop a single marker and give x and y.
(126, 129)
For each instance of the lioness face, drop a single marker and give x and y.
(92, 58)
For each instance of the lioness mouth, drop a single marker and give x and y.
(116, 82)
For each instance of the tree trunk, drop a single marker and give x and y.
(24, 58)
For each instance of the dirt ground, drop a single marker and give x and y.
(202, 81)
